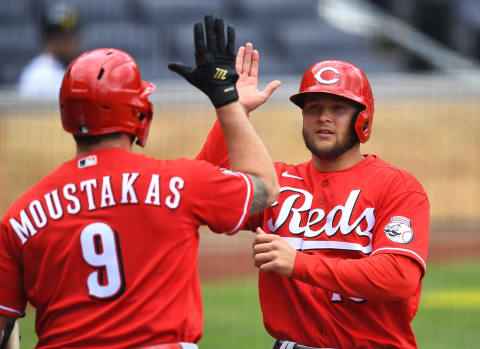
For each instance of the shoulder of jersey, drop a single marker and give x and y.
(185, 164)
(391, 172)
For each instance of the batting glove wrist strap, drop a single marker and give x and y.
(215, 73)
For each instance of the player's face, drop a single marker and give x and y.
(327, 125)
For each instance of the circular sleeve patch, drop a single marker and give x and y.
(399, 230)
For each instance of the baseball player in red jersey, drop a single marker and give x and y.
(105, 247)
(343, 250)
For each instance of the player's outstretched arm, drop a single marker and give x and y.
(215, 75)
(247, 65)
(248, 154)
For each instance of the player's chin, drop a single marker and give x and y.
(324, 151)
(324, 146)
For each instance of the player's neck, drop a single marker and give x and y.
(123, 142)
(344, 161)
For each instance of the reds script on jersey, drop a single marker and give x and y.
(343, 214)
(106, 248)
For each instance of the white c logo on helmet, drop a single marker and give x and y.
(318, 76)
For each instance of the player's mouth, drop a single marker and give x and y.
(324, 132)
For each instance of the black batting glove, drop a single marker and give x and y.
(215, 73)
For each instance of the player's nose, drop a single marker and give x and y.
(324, 115)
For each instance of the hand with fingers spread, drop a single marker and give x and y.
(272, 253)
(247, 85)
(215, 73)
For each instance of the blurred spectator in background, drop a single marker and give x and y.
(60, 44)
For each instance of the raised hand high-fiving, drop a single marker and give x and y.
(214, 73)
(246, 65)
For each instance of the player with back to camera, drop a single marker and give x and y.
(105, 247)
(343, 250)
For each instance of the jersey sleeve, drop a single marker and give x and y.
(12, 297)
(403, 221)
(384, 277)
(220, 198)
(215, 149)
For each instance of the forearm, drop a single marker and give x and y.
(383, 277)
(247, 152)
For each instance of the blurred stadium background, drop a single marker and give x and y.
(422, 58)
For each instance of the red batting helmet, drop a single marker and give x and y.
(102, 92)
(342, 79)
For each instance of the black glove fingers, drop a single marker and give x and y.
(202, 54)
(199, 38)
(214, 73)
(181, 69)
(231, 41)
(210, 31)
(220, 33)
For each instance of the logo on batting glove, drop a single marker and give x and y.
(220, 74)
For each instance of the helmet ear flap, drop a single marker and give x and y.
(145, 118)
(363, 126)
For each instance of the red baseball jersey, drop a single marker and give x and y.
(370, 208)
(105, 248)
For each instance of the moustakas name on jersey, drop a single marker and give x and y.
(113, 236)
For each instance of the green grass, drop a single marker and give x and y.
(28, 338)
(233, 318)
(449, 314)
